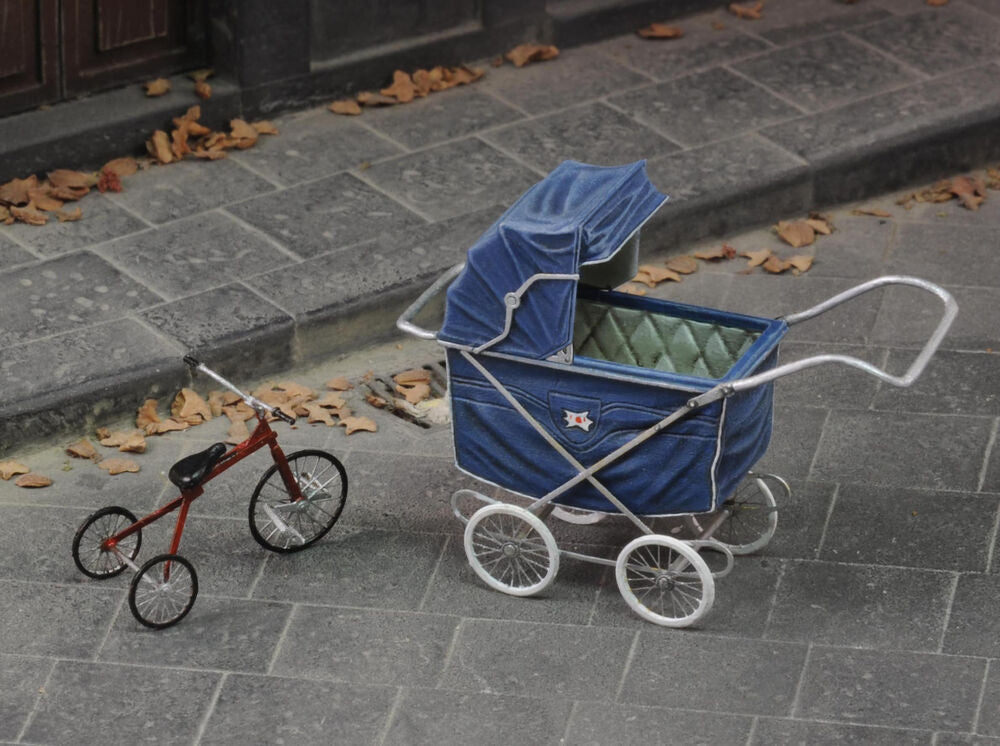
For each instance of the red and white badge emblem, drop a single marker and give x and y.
(578, 419)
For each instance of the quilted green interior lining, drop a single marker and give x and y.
(636, 337)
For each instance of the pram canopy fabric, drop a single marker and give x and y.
(578, 215)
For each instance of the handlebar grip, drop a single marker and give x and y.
(189, 360)
(282, 416)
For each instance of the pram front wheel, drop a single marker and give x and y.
(752, 517)
(281, 524)
(511, 550)
(91, 556)
(665, 581)
(163, 591)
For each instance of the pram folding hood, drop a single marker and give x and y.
(527, 319)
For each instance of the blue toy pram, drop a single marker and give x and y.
(554, 378)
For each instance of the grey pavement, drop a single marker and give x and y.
(310, 243)
(869, 618)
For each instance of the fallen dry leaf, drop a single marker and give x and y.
(522, 54)
(376, 401)
(415, 393)
(871, 211)
(775, 264)
(15, 192)
(660, 31)
(29, 215)
(135, 443)
(296, 389)
(331, 399)
(179, 143)
(264, 127)
(10, 468)
(122, 167)
(202, 89)
(114, 439)
(5, 217)
(346, 106)
(970, 191)
(800, 262)
(42, 201)
(239, 411)
(797, 233)
(412, 376)
(722, 252)
(354, 424)
(33, 480)
(317, 413)
(652, 275)
(683, 264)
(756, 257)
(369, 98)
(166, 426)
(159, 147)
(820, 223)
(748, 12)
(188, 404)
(630, 289)
(238, 432)
(119, 465)
(203, 74)
(402, 87)
(243, 133)
(83, 449)
(146, 414)
(339, 384)
(157, 87)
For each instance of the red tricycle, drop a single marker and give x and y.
(295, 503)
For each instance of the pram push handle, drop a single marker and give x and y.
(405, 322)
(914, 371)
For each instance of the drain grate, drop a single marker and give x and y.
(381, 387)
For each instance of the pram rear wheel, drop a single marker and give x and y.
(89, 553)
(752, 517)
(163, 591)
(665, 581)
(511, 550)
(281, 524)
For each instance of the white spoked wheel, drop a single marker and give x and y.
(751, 521)
(665, 581)
(578, 517)
(511, 550)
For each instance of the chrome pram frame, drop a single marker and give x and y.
(664, 579)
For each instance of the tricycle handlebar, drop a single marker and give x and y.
(914, 371)
(252, 401)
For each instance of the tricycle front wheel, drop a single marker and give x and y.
(163, 591)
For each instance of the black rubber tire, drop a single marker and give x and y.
(81, 534)
(268, 481)
(134, 588)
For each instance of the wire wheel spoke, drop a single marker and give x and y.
(511, 550)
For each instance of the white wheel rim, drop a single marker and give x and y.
(645, 584)
(578, 517)
(506, 560)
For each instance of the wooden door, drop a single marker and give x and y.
(29, 53)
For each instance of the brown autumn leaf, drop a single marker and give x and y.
(190, 122)
(189, 404)
(166, 426)
(157, 87)
(339, 384)
(871, 211)
(291, 388)
(347, 106)
(800, 263)
(683, 264)
(970, 191)
(796, 233)
(746, 11)
(10, 468)
(238, 432)
(178, 143)
(33, 480)
(775, 264)
(15, 192)
(660, 31)
(993, 178)
(402, 87)
(463, 75)
(415, 393)
(83, 449)
(721, 252)
(69, 217)
(122, 167)
(240, 411)
(63, 177)
(159, 147)
(370, 98)
(135, 443)
(5, 217)
(316, 413)
(119, 465)
(630, 289)
(376, 401)
(354, 424)
(522, 54)
(756, 257)
(202, 90)
(264, 127)
(652, 275)
(203, 74)
(146, 414)
(42, 201)
(243, 133)
(412, 376)
(331, 399)
(422, 82)
(102, 432)
(820, 223)
(212, 155)
(113, 439)
(29, 215)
